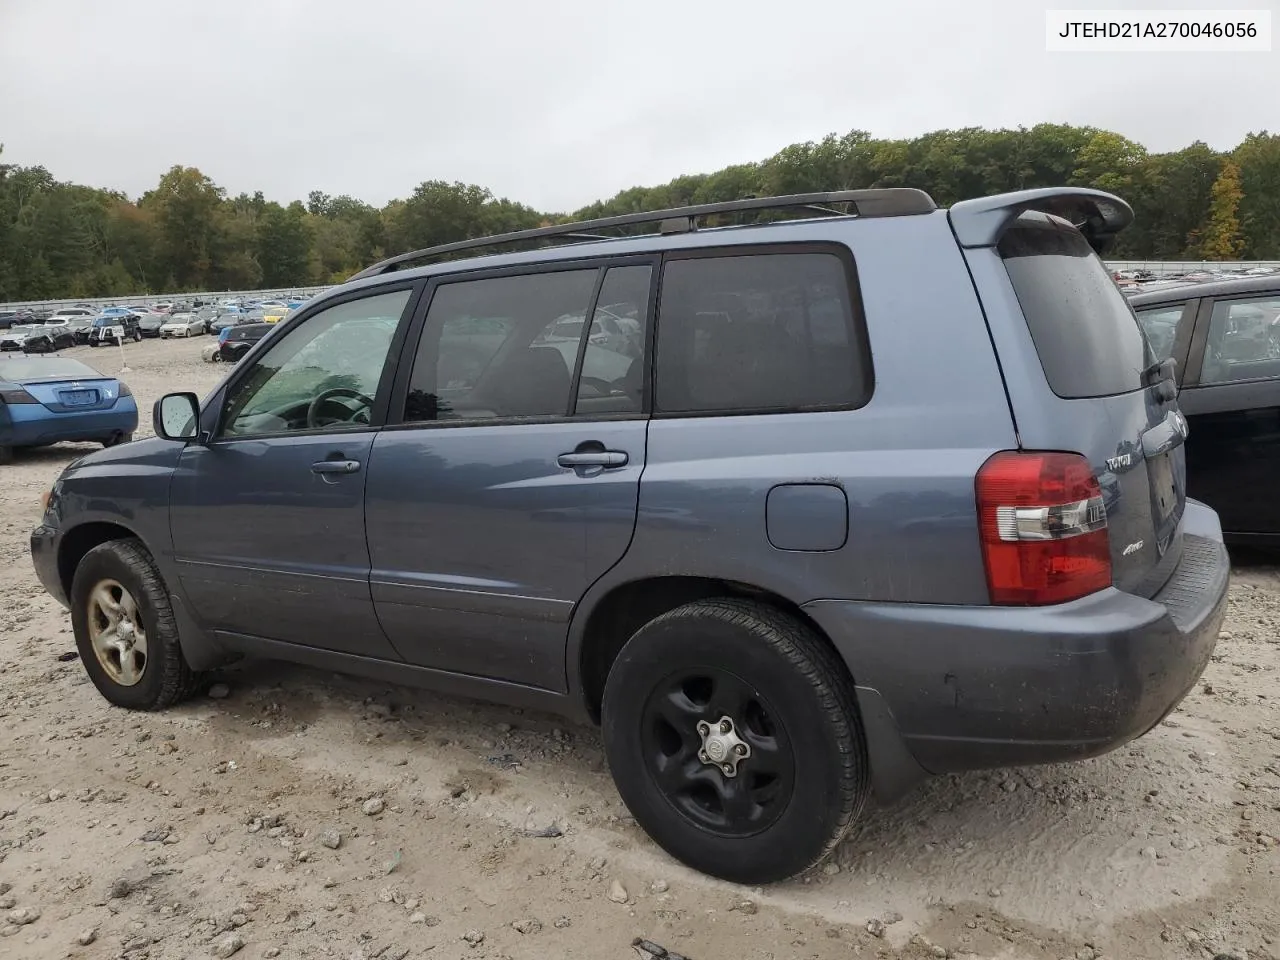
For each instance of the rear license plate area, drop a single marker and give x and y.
(1164, 494)
(79, 398)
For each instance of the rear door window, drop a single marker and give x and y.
(1243, 341)
(759, 333)
(1160, 324)
(1085, 332)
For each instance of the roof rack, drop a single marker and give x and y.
(887, 202)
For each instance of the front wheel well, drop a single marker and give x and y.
(78, 541)
(628, 607)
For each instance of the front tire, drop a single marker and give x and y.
(125, 629)
(734, 739)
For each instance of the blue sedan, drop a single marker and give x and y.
(46, 400)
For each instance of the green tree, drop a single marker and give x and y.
(284, 245)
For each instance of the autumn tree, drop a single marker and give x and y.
(1220, 237)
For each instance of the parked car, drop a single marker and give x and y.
(115, 329)
(183, 325)
(46, 400)
(13, 338)
(82, 330)
(979, 515)
(1224, 337)
(51, 336)
(72, 313)
(234, 342)
(16, 318)
(224, 320)
(150, 324)
(273, 312)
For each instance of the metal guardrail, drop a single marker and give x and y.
(1161, 268)
(146, 299)
(1166, 268)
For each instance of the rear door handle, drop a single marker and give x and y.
(594, 458)
(335, 466)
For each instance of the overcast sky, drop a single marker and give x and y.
(560, 102)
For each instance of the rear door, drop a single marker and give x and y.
(1083, 377)
(1232, 402)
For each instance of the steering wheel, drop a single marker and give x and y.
(313, 409)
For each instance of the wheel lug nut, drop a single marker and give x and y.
(725, 726)
(703, 729)
(728, 768)
(702, 755)
(740, 749)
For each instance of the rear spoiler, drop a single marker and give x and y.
(1098, 215)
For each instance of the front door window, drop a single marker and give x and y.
(321, 375)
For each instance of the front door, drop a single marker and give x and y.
(512, 482)
(1233, 409)
(268, 516)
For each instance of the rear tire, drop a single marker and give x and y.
(791, 721)
(116, 439)
(6, 456)
(156, 677)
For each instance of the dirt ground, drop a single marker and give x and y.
(244, 825)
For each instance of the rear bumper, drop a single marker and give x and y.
(970, 687)
(42, 426)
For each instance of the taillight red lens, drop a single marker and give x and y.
(1043, 528)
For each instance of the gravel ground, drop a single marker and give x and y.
(301, 814)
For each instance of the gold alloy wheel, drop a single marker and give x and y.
(116, 633)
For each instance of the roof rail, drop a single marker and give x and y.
(1099, 216)
(888, 202)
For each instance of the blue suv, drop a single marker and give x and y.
(801, 510)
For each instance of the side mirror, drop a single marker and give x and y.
(176, 416)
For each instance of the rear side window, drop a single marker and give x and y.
(1161, 327)
(1084, 330)
(769, 332)
(500, 347)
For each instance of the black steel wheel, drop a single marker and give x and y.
(717, 752)
(733, 736)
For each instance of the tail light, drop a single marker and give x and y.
(16, 395)
(124, 389)
(1043, 528)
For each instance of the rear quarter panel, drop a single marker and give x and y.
(906, 460)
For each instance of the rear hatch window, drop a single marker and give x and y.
(1087, 337)
(1096, 358)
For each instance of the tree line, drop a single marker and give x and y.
(62, 240)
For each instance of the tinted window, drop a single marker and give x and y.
(1160, 324)
(322, 374)
(612, 378)
(1084, 330)
(502, 347)
(760, 332)
(1243, 342)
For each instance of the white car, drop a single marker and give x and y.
(182, 325)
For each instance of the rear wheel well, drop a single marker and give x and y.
(78, 541)
(630, 606)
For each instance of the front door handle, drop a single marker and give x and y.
(335, 466)
(593, 458)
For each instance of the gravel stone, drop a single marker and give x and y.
(373, 806)
(331, 839)
(228, 946)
